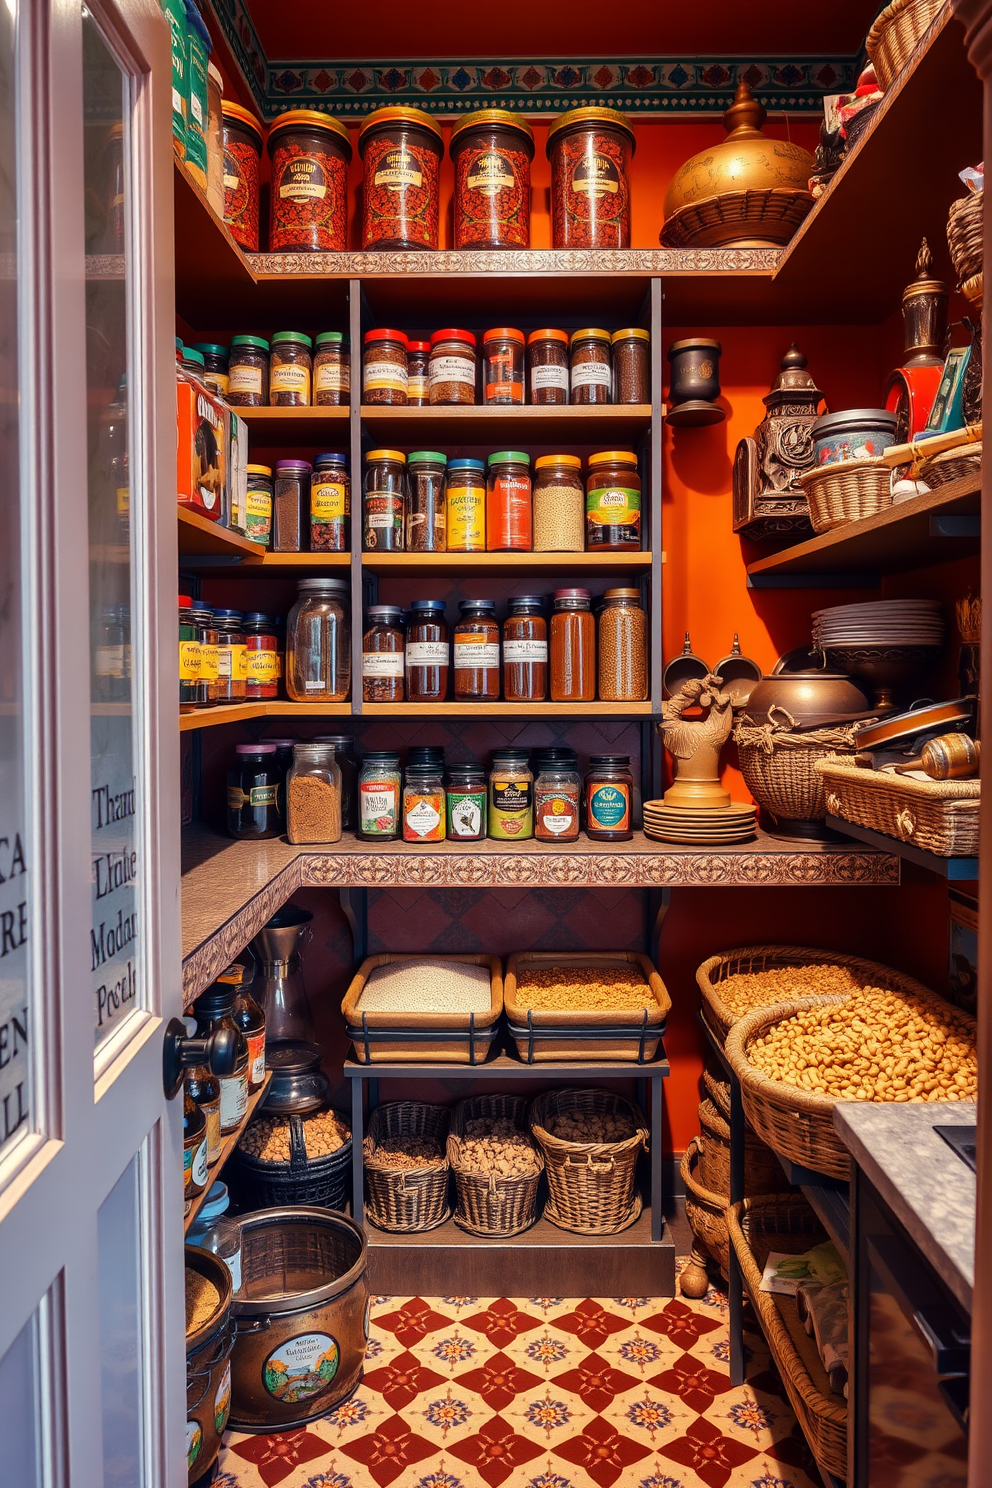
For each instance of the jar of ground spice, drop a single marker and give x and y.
(465, 504)
(509, 512)
(427, 652)
(492, 151)
(452, 369)
(476, 647)
(232, 668)
(503, 366)
(613, 502)
(380, 786)
(623, 647)
(511, 796)
(423, 803)
(248, 372)
(290, 505)
(466, 802)
(290, 370)
(318, 642)
(385, 370)
(313, 795)
(254, 808)
(590, 151)
(258, 505)
(547, 357)
(384, 503)
(331, 371)
(330, 505)
(573, 647)
(401, 149)
(263, 663)
(557, 789)
(559, 505)
(418, 388)
(382, 655)
(426, 517)
(308, 190)
(609, 792)
(525, 650)
(591, 371)
(631, 370)
(242, 159)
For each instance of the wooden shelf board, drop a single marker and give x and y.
(198, 535)
(241, 712)
(382, 562)
(505, 1066)
(227, 1146)
(960, 870)
(527, 425)
(503, 710)
(210, 267)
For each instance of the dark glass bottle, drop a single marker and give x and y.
(254, 797)
(203, 1087)
(213, 1010)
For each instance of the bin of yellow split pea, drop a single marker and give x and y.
(587, 1006)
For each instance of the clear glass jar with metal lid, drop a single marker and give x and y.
(613, 502)
(203, 617)
(623, 647)
(401, 148)
(384, 501)
(503, 366)
(590, 150)
(330, 504)
(426, 517)
(258, 505)
(248, 372)
(476, 648)
(318, 642)
(559, 505)
(427, 652)
(380, 796)
(631, 350)
(590, 370)
(290, 370)
(525, 650)
(385, 367)
(232, 672)
(331, 370)
(492, 150)
(383, 655)
(547, 358)
(453, 368)
(313, 795)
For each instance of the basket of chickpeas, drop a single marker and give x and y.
(797, 1060)
(295, 1158)
(591, 1140)
(406, 1167)
(496, 1165)
(593, 1005)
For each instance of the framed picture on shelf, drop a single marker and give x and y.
(946, 412)
(962, 963)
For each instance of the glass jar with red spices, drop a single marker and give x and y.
(308, 195)
(401, 149)
(509, 509)
(573, 647)
(385, 368)
(590, 150)
(557, 789)
(476, 647)
(418, 388)
(547, 356)
(452, 367)
(503, 366)
(525, 650)
(492, 151)
(263, 663)
(242, 159)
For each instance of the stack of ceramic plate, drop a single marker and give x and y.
(680, 824)
(886, 622)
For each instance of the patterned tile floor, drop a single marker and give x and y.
(541, 1392)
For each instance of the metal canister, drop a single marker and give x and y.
(948, 757)
(208, 1367)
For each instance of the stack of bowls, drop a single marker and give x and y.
(885, 643)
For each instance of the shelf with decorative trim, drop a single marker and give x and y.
(227, 1146)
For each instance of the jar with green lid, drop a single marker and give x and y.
(379, 796)
(609, 795)
(330, 504)
(613, 502)
(384, 501)
(193, 364)
(591, 371)
(258, 505)
(509, 508)
(248, 372)
(467, 802)
(290, 370)
(192, 692)
(214, 365)
(331, 370)
(511, 796)
(426, 518)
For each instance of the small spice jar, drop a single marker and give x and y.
(203, 615)
(557, 789)
(492, 150)
(195, 1147)
(525, 650)
(573, 647)
(452, 367)
(331, 370)
(559, 505)
(308, 191)
(248, 372)
(503, 366)
(423, 803)
(465, 506)
(254, 808)
(263, 663)
(590, 150)
(202, 1086)
(418, 388)
(511, 796)
(290, 370)
(382, 655)
(214, 365)
(385, 368)
(379, 796)
(613, 502)
(318, 642)
(258, 505)
(591, 371)
(608, 793)
(330, 505)
(192, 692)
(476, 646)
(290, 505)
(631, 369)
(547, 356)
(426, 515)
(509, 511)
(384, 504)
(623, 647)
(242, 161)
(401, 198)
(232, 670)
(347, 759)
(427, 652)
(213, 1011)
(466, 803)
(313, 795)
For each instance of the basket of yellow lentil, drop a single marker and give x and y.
(591, 1005)
(797, 1060)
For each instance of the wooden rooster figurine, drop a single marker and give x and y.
(695, 743)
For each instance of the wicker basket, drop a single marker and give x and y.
(422, 1038)
(845, 491)
(325, 1181)
(777, 764)
(788, 1225)
(706, 1211)
(542, 1036)
(973, 290)
(895, 35)
(763, 1173)
(406, 1199)
(770, 216)
(965, 226)
(491, 1205)
(964, 459)
(591, 1185)
(939, 816)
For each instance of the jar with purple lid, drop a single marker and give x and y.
(291, 505)
(254, 793)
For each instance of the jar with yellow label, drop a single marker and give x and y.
(232, 668)
(330, 505)
(290, 370)
(248, 372)
(613, 502)
(214, 365)
(258, 505)
(465, 506)
(192, 693)
(263, 664)
(203, 617)
(331, 370)
(511, 796)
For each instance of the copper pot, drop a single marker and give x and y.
(208, 1371)
(813, 697)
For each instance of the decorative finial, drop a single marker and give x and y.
(793, 359)
(924, 261)
(745, 113)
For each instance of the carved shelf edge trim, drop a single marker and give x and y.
(534, 261)
(208, 959)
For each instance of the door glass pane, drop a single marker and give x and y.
(118, 1236)
(19, 1410)
(113, 941)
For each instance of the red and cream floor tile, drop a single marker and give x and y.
(541, 1392)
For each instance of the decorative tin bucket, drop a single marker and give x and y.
(208, 1367)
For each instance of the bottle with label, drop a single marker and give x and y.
(418, 388)
(249, 1017)
(423, 803)
(213, 1010)
(379, 796)
(203, 1087)
(427, 652)
(525, 650)
(609, 794)
(613, 502)
(509, 509)
(382, 656)
(511, 796)
(476, 648)
(254, 793)
(467, 802)
(331, 370)
(231, 664)
(591, 367)
(258, 505)
(465, 503)
(194, 1150)
(290, 370)
(557, 789)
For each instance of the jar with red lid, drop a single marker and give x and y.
(242, 161)
(308, 190)
(509, 509)
(401, 198)
(476, 648)
(503, 366)
(453, 365)
(590, 150)
(263, 664)
(492, 150)
(418, 388)
(385, 367)
(573, 647)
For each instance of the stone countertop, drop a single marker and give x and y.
(929, 1189)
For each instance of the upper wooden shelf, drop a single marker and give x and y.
(199, 535)
(480, 424)
(492, 562)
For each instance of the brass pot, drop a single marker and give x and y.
(811, 697)
(208, 1368)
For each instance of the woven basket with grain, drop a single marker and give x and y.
(964, 459)
(939, 816)
(406, 1199)
(965, 226)
(591, 1185)
(491, 1204)
(786, 1224)
(777, 763)
(896, 34)
(705, 1210)
(845, 491)
(763, 1173)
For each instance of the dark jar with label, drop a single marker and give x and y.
(384, 504)
(492, 151)
(590, 151)
(557, 789)
(573, 647)
(631, 366)
(609, 794)
(290, 370)
(248, 372)
(232, 670)
(503, 366)
(213, 1010)
(525, 650)
(385, 368)
(509, 508)
(547, 357)
(258, 505)
(418, 387)
(263, 663)
(423, 803)
(331, 371)
(401, 149)
(613, 502)
(427, 652)
(347, 759)
(467, 802)
(476, 646)
(242, 162)
(379, 796)
(214, 365)
(249, 1017)
(426, 516)
(254, 794)
(203, 1087)
(382, 656)
(330, 505)
(591, 369)
(308, 190)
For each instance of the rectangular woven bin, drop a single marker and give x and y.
(406, 1200)
(939, 816)
(895, 35)
(786, 1223)
(543, 1036)
(491, 1204)
(591, 1185)
(423, 1038)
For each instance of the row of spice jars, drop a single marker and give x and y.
(426, 503)
(526, 660)
(260, 803)
(289, 369)
(588, 366)
(222, 1101)
(590, 150)
(296, 507)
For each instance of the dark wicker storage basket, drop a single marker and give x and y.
(763, 1173)
(705, 1210)
(487, 1204)
(406, 1199)
(591, 1185)
(323, 1181)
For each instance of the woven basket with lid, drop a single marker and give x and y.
(896, 34)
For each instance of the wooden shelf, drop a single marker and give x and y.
(240, 712)
(294, 426)
(227, 1146)
(492, 562)
(478, 424)
(210, 267)
(504, 710)
(958, 870)
(198, 535)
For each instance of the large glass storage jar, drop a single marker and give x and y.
(290, 370)
(330, 504)
(465, 504)
(590, 150)
(492, 150)
(258, 505)
(308, 190)
(313, 795)
(254, 807)
(385, 367)
(382, 655)
(525, 650)
(344, 753)
(418, 388)
(263, 663)
(631, 366)
(609, 793)
(401, 197)
(613, 502)
(427, 652)
(380, 789)
(557, 789)
(509, 512)
(503, 366)
(547, 358)
(248, 372)
(242, 162)
(331, 370)
(591, 371)
(623, 648)
(476, 647)
(384, 502)
(231, 664)
(423, 803)
(559, 505)
(511, 796)
(318, 642)
(426, 517)
(452, 368)
(573, 647)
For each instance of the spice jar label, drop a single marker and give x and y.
(609, 806)
(304, 180)
(256, 1056)
(263, 666)
(596, 175)
(199, 1174)
(451, 369)
(328, 501)
(382, 663)
(332, 377)
(258, 795)
(109, 661)
(386, 375)
(591, 374)
(548, 377)
(377, 807)
(301, 1367)
(427, 653)
(398, 168)
(208, 664)
(289, 378)
(474, 655)
(245, 379)
(511, 795)
(418, 386)
(525, 651)
(556, 814)
(615, 506)
(466, 515)
(505, 392)
(422, 820)
(231, 663)
(258, 515)
(466, 815)
(222, 1399)
(233, 1100)
(490, 172)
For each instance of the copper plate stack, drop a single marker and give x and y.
(691, 828)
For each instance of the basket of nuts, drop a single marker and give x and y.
(591, 1140)
(796, 1061)
(292, 1159)
(593, 1005)
(406, 1169)
(497, 1168)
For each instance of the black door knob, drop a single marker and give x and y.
(219, 1053)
